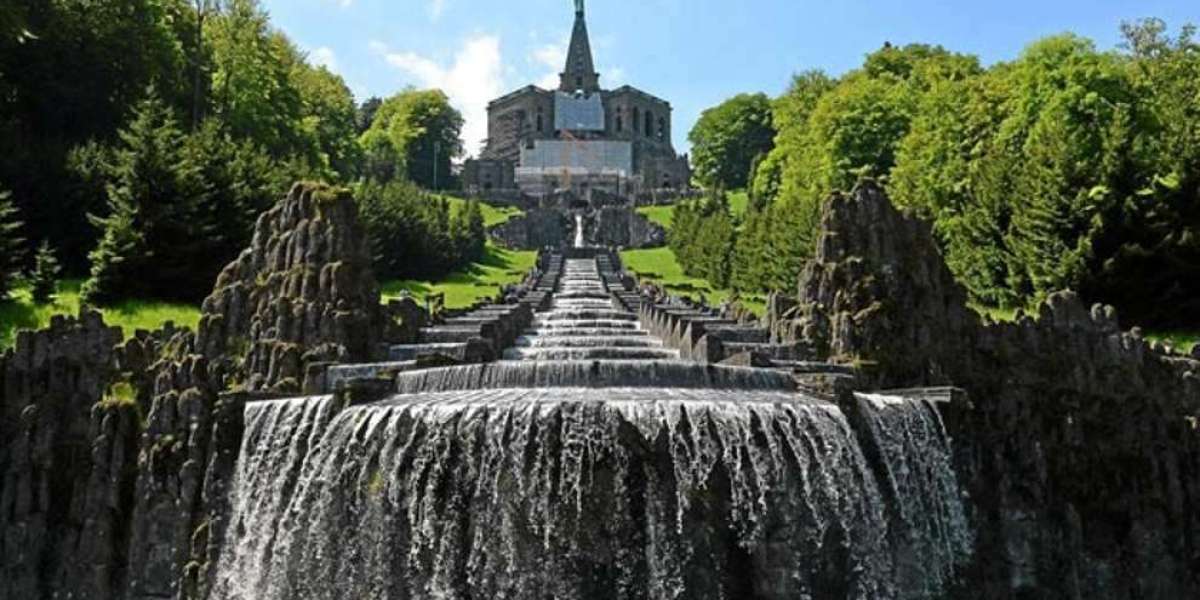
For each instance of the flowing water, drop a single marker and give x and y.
(630, 478)
(579, 243)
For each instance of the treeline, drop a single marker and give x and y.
(143, 137)
(1068, 167)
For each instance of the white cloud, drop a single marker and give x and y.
(613, 76)
(552, 57)
(474, 79)
(324, 57)
(436, 8)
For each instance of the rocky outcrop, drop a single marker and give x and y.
(623, 227)
(65, 461)
(536, 229)
(878, 294)
(302, 292)
(113, 454)
(1079, 447)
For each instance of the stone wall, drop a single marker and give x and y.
(1079, 448)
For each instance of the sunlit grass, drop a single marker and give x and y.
(738, 203)
(1181, 340)
(478, 281)
(20, 312)
(658, 214)
(659, 265)
(492, 215)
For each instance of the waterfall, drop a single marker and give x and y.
(915, 464)
(572, 494)
(278, 438)
(630, 478)
(579, 242)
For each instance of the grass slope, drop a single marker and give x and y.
(492, 215)
(130, 315)
(478, 281)
(738, 202)
(659, 265)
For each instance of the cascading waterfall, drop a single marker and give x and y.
(626, 479)
(579, 243)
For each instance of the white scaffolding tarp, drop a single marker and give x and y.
(578, 112)
(578, 156)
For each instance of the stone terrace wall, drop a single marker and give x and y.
(1079, 450)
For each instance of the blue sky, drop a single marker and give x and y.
(692, 53)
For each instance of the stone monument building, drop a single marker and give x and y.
(578, 136)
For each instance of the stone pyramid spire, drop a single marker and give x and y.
(580, 72)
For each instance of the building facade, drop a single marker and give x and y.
(578, 136)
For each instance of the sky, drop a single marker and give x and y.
(694, 54)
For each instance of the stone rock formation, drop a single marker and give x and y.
(65, 463)
(537, 228)
(302, 292)
(1079, 447)
(623, 227)
(114, 453)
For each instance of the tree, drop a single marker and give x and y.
(252, 89)
(728, 138)
(366, 114)
(46, 272)
(410, 130)
(238, 182)
(154, 229)
(328, 121)
(11, 245)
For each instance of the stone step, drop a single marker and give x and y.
(571, 353)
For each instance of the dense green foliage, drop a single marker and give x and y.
(1066, 168)
(416, 235)
(413, 135)
(145, 137)
(11, 245)
(179, 207)
(729, 137)
(701, 236)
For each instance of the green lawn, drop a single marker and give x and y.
(478, 281)
(492, 215)
(130, 315)
(658, 214)
(738, 202)
(1182, 341)
(659, 265)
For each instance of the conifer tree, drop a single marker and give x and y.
(11, 245)
(153, 230)
(46, 271)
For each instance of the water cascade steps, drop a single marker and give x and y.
(592, 463)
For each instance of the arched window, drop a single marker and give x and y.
(620, 122)
(539, 123)
(662, 129)
(637, 120)
(649, 124)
